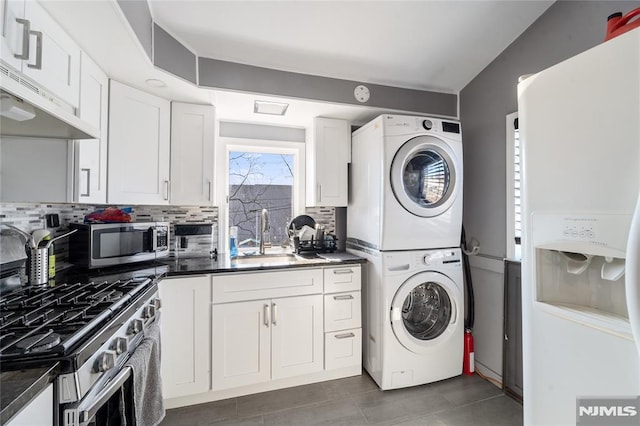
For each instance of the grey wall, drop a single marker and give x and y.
(564, 30)
(261, 131)
(139, 17)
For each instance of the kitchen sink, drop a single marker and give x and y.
(274, 259)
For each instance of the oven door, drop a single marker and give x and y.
(111, 404)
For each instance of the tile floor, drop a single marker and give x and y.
(460, 401)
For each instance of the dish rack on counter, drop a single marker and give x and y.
(325, 245)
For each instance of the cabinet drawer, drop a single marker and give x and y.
(343, 348)
(344, 278)
(266, 285)
(342, 311)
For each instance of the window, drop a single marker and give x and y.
(514, 222)
(256, 174)
(260, 180)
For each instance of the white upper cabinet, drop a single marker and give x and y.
(192, 147)
(139, 146)
(328, 155)
(91, 155)
(35, 45)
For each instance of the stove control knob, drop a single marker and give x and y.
(119, 345)
(149, 312)
(105, 361)
(136, 326)
(157, 303)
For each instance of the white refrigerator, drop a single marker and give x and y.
(580, 137)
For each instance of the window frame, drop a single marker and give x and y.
(514, 251)
(230, 144)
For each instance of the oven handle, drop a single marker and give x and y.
(99, 400)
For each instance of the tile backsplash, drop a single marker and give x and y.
(30, 216)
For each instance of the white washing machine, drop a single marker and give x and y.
(413, 324)
(406, 184)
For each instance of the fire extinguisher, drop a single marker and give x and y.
(618, 24)
(468, 362)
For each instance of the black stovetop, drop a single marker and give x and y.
(47, 322)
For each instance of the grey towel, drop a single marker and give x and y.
(147, 385)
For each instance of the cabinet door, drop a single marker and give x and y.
(297, 336)
(241, 344)
(54, 58)
(11, 14)
(185, 335)
(39, 411)
(91, 154)
(192, 138)
(327, 164)
(138, 147)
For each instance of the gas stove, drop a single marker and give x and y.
(49, 322)
(89, 328)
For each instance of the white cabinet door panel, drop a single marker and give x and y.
(342, 311)
(297, 336)
(343, 348)
(91, 154)
(192, 145)
(54, 58)
(12, 32)
(185, 335)
(241, 344)
(138, 147)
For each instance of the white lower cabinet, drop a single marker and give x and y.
(342, 317)
(267, 339)
(185, 335)
(266, 330)
(37, 412)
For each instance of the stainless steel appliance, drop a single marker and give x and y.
(91, 329)
(97, 245)
(194, 240)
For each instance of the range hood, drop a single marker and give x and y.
(50, 120)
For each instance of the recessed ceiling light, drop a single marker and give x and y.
(272, 108)
(154, 82)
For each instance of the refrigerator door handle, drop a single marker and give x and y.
(632, 275)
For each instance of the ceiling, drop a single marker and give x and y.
(425, 45)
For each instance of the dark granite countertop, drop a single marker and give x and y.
(205, 265)
(19, 387)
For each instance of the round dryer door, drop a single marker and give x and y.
(423, 176)
(424, 311)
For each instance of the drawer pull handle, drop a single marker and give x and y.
(343, 297)
(265, 315)
(274, 315)
(344, 336)
(342, 271)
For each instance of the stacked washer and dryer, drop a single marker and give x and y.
(405, 217)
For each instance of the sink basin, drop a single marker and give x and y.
(273, 259)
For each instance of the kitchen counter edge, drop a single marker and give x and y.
(20, 387)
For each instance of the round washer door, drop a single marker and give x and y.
(424, 176)
(424, 311)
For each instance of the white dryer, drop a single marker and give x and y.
(414, 316)
(406, 184)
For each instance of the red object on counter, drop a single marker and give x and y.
(108, 215)
(468, 362)
(618, 24)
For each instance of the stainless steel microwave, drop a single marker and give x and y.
(97, 245)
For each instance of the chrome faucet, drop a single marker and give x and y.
(264, 227)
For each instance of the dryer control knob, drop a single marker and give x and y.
(427, 260)
(427, 124)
